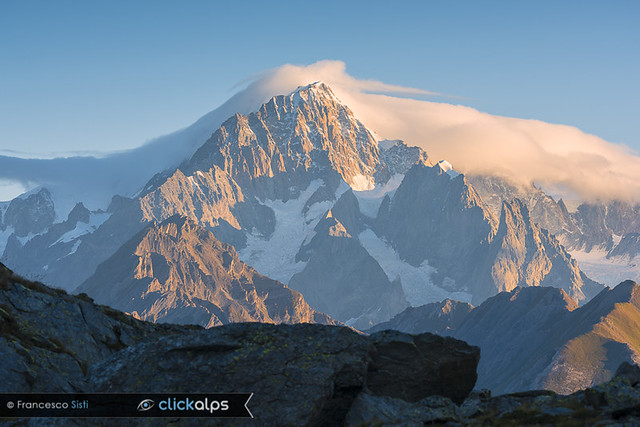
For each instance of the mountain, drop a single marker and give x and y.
(341, 277)
(68, 252)
(301, 189)
(178, 272)
(436, 317)
(537, 337)
(592, 233)
(25, 216)
(472, 251)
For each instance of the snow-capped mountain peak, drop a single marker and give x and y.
(447, 168)
(308, 131)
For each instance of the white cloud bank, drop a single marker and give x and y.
(560, 158)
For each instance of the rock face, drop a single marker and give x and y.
(544, 210)
(591, 226)
(300, 374)
(179, 272)
(48, 339)
(341, 278)
(399, 157)
(523, 254)
(440, 219)
(537, 337)
(438, 318)
(30, 214)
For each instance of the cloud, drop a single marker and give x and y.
(562, 159)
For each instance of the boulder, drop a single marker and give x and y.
(301, 374)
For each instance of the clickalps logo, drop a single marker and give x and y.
(186, 404)
(145, 405)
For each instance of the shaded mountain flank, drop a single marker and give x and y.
(178, 272)
(592, 225)
(442, 220)
(537, 337)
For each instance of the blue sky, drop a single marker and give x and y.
(89, 75)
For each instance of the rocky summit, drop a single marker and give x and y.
(178, 272)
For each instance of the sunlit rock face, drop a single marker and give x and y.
(178, 272)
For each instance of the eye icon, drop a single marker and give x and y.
(145, 405)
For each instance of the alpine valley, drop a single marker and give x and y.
(298, 213)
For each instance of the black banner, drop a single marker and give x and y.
(122, 405)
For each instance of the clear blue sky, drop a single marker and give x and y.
(109, 75)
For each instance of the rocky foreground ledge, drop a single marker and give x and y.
(300, 374)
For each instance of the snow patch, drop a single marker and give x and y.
(416, 281)
(82, 228)
(4, 237)
(74, 248)
(23, 240)
(275, 257)
(370, 200)
(609, 271)
(448, 168)
(362, 183)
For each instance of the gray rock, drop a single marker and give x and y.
(30, 214)
(629, 372)
(438, 318)
(400, 158)
(48, 339)
(299, 374)
(343, 280)
(412, 367)
(390, 411)
(178, 272)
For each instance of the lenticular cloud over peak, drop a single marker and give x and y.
(559, 158)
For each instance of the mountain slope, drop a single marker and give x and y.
(179, 272)
(597, 234)
(439, 219)
(342, 279)
(437, 317)
(537, 338)
(523, 254)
